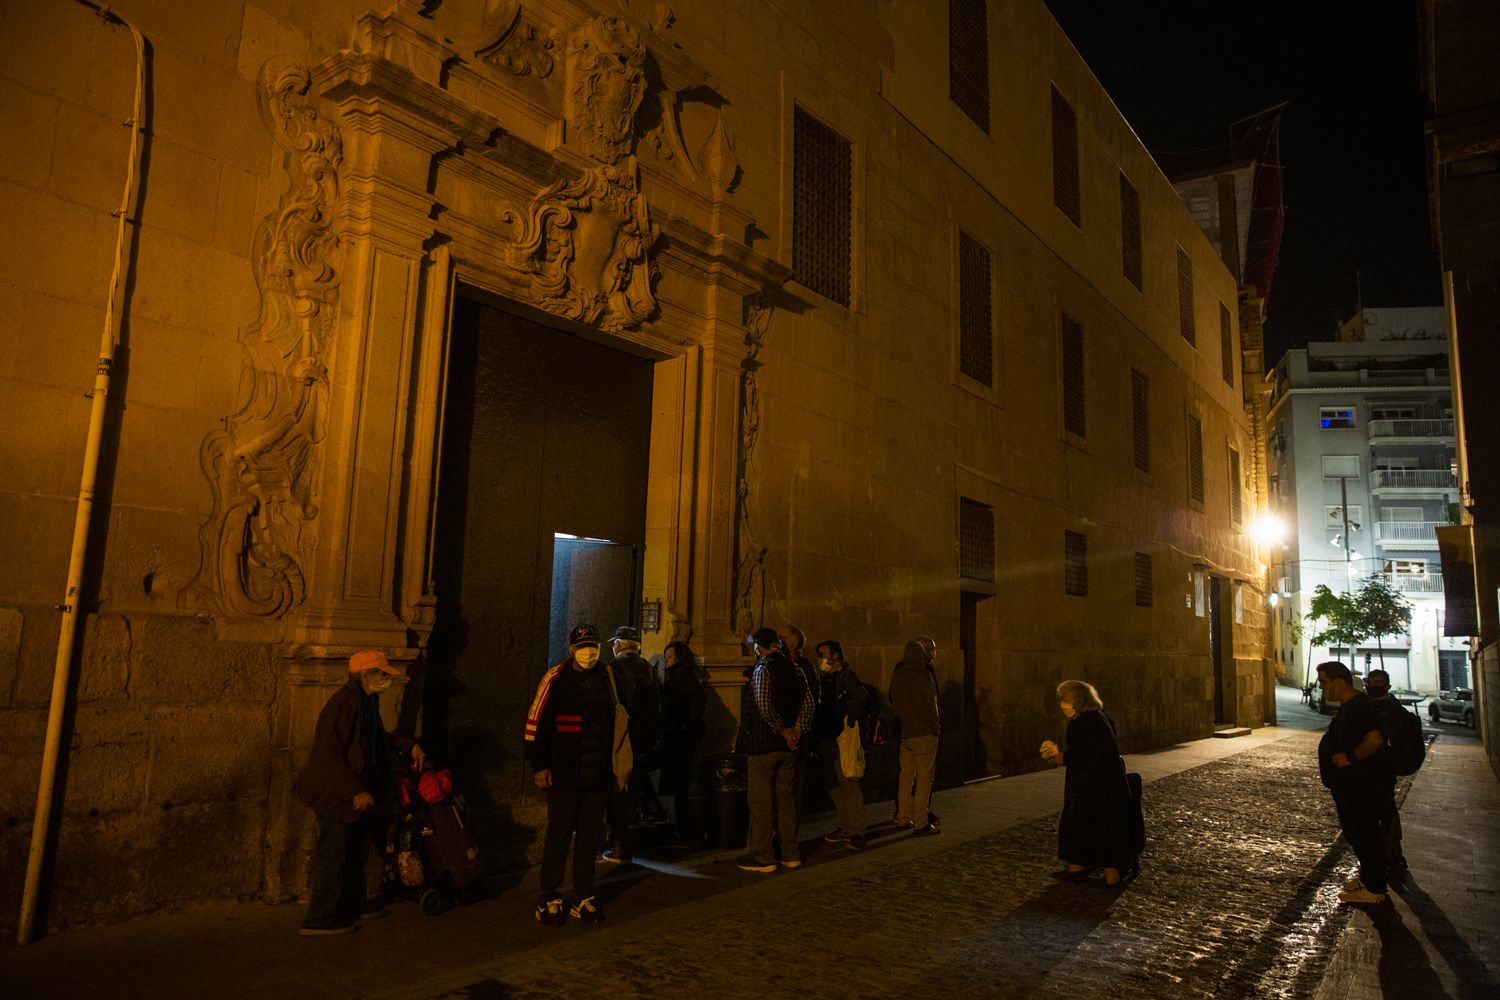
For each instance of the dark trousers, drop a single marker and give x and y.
(336, 878)
(1390, 828)
(619, 809)
(569, 813)
(1359, 810)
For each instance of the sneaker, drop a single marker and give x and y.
(1351, 885)
(550, 912)
(587, 911)
(856, 842)
(374, 909)
(932, 821)
(926, 830)
(750, 864)
(615, 857)
(1361, 895)
(790, 863)
(901, 824)
(325, 930)
(836, 836)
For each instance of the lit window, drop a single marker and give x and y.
(1336, 418)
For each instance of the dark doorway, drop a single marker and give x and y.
(1221, 647)
(977, 636)
(541, 505)
(1453, 669)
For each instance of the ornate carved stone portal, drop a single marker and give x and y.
(261, 466)
(606, 81)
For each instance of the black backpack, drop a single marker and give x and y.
(1403, 734)
(877, 723)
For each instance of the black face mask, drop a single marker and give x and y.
(1376, 691)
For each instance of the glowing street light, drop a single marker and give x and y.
(1268, 530)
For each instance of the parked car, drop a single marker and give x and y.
(1453, 706)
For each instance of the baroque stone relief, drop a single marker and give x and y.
(584, 245)
(750, 552)
(261, 465)
(521, 48)
(606, 83)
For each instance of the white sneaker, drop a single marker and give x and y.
(1362, 895)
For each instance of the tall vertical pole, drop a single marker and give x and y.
(1348, 564)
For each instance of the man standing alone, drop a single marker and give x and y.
(914, 698)
(1354, 768)
(776, 708)
(569, 742)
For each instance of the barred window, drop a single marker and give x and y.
(976, 540)
(1140, 418)
(1065, 190)
(822, 203)
(1195, 458)
(976, 349)
(1074, 403)
(1235, 500)
(1185, 297)
(1130, 233)
(969, 59)
(1226, 345)
(1075, 564)
(1143, 579)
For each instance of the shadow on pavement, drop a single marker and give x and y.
(1401, 952)
(1070, 911)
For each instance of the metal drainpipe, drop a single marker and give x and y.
(41, 827)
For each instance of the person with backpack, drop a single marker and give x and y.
(1355, 767)
(841, 705)
(1403, 734)
(914, 698)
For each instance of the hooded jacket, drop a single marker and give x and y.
(914, 693)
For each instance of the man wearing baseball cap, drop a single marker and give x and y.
(349, 784)
(569, 745)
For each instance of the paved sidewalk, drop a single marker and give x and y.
(1236, 898)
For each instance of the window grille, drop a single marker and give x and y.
(1075, 564)
(1140, 418)
(975, 312)
(1195, 459)
(1074, 404)
(1143, 579)
(1065, 190)
(822, 202)
(1130, 233)
(1185, 297)
(1226, 345)
(976, 540)
(969, 60)
(1235, 499)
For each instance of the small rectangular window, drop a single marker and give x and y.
(1075, 564)
(969, 59)
(1140, 418)
(1074, 403)
(1065, 188)
(1336, 418)
(976, 540)
(1195, 458)
(1185, 324)
(1143, 579)
(1130, 233)
(822, 207)
(976, 324)
(1340, 466)
(1235, 500)
(1226, 345)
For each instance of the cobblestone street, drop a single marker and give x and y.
(1236, 898)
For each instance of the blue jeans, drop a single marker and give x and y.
(771, 779)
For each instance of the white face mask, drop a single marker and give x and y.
(586, 656)
(380, 683)
(827, 666)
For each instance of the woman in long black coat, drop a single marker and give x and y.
(1098, 808)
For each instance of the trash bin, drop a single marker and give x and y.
(731, 814)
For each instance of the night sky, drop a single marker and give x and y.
(1181, 71)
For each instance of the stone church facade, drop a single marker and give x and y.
(447, 321)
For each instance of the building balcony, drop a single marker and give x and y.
(1414, 482)
(1407, 534)
(1411, 431)
(1415, 583)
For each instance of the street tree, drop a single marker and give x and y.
(1344, 622)
(1383, 612)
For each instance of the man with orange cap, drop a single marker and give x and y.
(348, 782)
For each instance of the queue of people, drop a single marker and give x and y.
(597, 730)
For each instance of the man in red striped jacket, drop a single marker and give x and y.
(569, 739)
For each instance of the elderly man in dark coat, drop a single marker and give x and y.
(349, 784)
